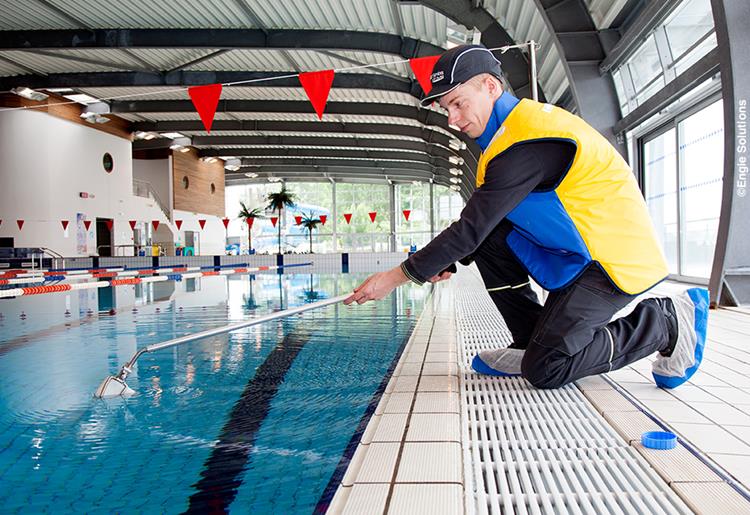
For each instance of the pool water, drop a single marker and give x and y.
(255, 421)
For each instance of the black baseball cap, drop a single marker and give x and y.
(458, 65)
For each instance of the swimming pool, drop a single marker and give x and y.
(255, 421)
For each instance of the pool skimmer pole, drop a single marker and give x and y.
(115, 386)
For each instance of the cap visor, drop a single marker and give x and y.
(437, 92)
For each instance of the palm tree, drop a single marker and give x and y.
(247, 214)
(309, 223)
(278, 201)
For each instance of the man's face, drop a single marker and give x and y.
(469, 107)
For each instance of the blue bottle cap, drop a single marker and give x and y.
(659, 440)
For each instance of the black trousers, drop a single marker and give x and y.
(571, 336)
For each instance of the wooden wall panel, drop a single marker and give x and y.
(197, 198)
(61, 107)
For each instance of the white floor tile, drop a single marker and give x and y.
(436, 402)
(390, 427)
(675, 411)
(712, 438)
(366, 498)
(378, 464)
(434, 499)
(722, 413)
(434, 427)
(399, 402)
(737, 466)
(741, 432)
(430, 463)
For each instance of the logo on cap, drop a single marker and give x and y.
(437, 76)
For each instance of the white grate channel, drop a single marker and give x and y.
(540, 451)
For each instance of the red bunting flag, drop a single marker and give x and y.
(87, 224)
(64, 224)
(202, 223)
(109, 223)
(422, 68)
(132, 224)
(226, 223)
(317, 85)
(206, 99)
(348, 217)
(323, 219)
(250, 222)
(155, 223)
(178, 223)
(373, 215)
(20, 224)
(298, 219)
(274, 219)
(407, 212)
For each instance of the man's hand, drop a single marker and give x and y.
(377, 286)
(442, 276)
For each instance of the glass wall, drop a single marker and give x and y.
(360, 234)
(680, 41)
(683, 169)
(416, 230)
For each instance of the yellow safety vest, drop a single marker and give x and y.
(595, 213)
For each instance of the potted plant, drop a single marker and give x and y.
(249, 216)
(278, 201)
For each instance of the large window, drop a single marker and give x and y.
(685, 36)
(683, 169)
(414, 198)
(358, 200)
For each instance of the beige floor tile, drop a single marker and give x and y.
(434, 427)
(366, 498)
(436, 402)
(430, 463)
(430, 499)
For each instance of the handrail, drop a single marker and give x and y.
(152, 193)
(107, 389)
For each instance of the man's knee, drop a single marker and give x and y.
(544, 370)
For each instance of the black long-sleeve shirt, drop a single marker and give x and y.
(509, 178)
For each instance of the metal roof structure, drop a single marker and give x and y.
(140, 57)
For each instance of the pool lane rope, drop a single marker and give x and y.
(115, 386)
(120, 280)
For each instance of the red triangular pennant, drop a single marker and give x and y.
(407, 212)
(323, 219)
(109, 223)
(373, 215)
(132, 224)
(250, 221)
(422, 68)
(205, 99)
(226, 222)
(274, 219)
(20, 224)
(87, 224)
(202, 223)
(298, 219)
(155, 223)
(348, 217)
(178, 223)
(64, 224)
(317, 86)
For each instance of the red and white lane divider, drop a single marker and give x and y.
(174, 273)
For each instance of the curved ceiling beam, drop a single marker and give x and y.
(269, 154)
(265, 79)
(467, 13)
(423, 116)
(435, 139)
(281, 39)
(351, 143)
(579, 43)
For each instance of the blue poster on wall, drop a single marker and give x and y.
(81, 236)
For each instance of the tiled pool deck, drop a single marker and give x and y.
(416, 453)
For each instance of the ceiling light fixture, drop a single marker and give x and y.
(29, 93)
(456, 160)
(455, 180)
(251, 175)
(456, 171)
(232, 164)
